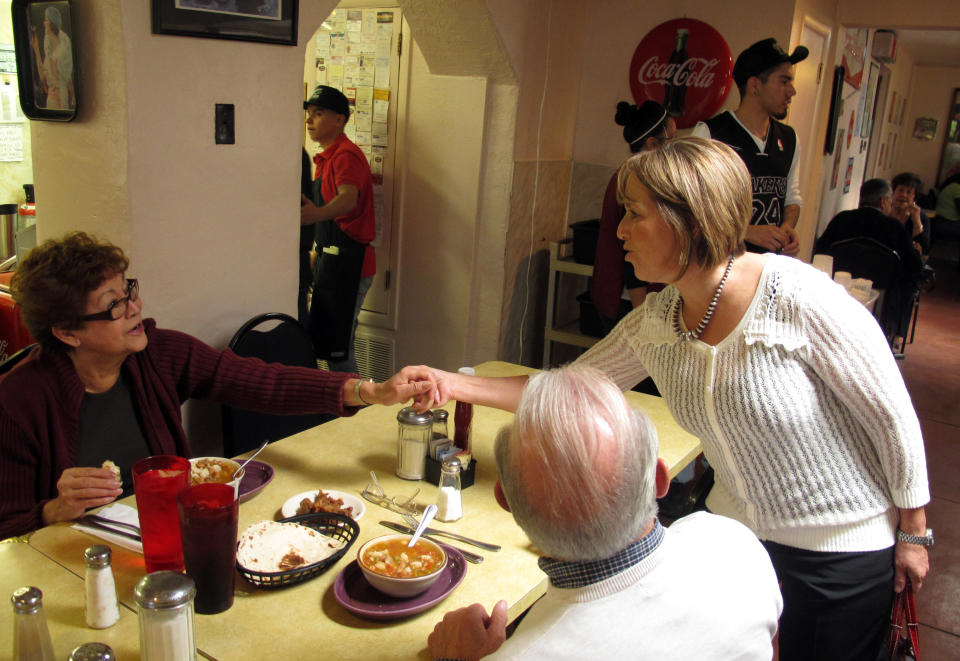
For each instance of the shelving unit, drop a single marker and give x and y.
(568, 333)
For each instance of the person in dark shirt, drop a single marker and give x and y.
(906, 187)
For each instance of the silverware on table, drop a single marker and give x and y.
(93, 523)
(469, 556)
(452, 535)
(110, 522)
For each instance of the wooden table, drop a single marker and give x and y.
(340, 455)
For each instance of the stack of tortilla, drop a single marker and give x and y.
(269, 546)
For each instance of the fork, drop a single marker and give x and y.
(412, 521)
(110, 522)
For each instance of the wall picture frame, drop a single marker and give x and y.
(925, 128)
(265, 21)
(870, 98)
(46, 53)
(836, 109)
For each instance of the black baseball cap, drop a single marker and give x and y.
(763, 55)
(330, 98)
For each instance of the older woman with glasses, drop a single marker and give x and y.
(106, 384)
(788, 383)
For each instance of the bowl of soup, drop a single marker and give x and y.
(394, 569)
(215, 470)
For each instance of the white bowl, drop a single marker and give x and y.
(235, 482)
(401, 587)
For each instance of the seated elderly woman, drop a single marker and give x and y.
(788, 383)
(107, 384)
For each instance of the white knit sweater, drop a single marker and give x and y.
(801, 410)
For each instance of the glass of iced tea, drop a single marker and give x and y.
(156, 482)
(208, 526)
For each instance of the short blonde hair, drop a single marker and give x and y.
(702, 190)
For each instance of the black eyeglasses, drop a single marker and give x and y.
(117, 308)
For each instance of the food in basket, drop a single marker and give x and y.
(212, 470)
(391, 557)
(324, 502)
(269, 546)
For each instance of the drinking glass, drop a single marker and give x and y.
(208, 527)
(156, 482)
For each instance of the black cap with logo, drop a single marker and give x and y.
(763, 55)
(330, 98)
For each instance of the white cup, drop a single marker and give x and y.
(823, 263)
(862, 286)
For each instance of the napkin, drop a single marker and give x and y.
(116, 512)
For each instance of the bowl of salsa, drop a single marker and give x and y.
(394, 569)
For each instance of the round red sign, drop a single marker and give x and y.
(686, 65)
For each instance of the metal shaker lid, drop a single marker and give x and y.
(440, 415)
(409, 416)
(97, 556)
(92, 652)
(27, 599)
(164, 589)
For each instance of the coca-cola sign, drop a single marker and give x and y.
(686, 65)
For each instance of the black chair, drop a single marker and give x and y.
(13, 360)
(865, 257)
(288, 343)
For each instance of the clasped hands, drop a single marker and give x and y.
(783, 239)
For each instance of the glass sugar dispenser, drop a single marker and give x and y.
(31, 638)
(165, 614)
(413, 441)
(449, 502)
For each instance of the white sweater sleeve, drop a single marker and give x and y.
(614, 356)
(848, 352)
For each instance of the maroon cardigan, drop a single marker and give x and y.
(40, 409)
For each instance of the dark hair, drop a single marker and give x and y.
(764, 76)
(52, 283)
(908, 179)
(640, 123)
(873, 191)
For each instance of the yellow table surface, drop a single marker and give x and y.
(295, 621)
(63, 605)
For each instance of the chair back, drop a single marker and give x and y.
(14, 359)
(287, 343)
(865, 257)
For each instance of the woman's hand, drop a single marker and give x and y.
(910, 561)
(79, 489)
(416, 381)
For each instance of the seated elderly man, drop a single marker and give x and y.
(580, 473)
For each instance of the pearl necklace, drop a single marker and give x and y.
(695, 334)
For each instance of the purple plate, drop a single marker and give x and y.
(256, 476)
(360, 598)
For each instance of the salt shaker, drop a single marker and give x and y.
(449, 503)
(31, 638)
(102, 611)
(165, 614)
(92, 652)
(440, 429)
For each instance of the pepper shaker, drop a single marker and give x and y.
(31, 638)
(102, 610)
(92, 652)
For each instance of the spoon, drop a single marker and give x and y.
(428, 514)
(250, 458)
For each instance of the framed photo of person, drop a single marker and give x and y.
(45, 52)
(268, 21)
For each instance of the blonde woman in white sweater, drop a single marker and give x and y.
(790, 386)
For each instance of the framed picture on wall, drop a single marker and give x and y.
(836, 108)
(43, 38)
(925, 128)
(268, 21)
(854, 54)
(848, 176)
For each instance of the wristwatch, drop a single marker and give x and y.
(920, 540)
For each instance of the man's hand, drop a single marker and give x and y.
(771, 237)
(308, 211)
(416, 381)
(79, 489)
(792, 246)
(910, 561)
(469, 633)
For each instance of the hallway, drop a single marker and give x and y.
(932, 374)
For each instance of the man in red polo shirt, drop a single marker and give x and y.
(342, 213)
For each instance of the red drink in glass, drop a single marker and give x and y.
(208, 526)
(156, 483)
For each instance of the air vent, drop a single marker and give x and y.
(375, 354)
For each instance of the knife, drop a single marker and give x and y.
(90, 523)
(399, 527)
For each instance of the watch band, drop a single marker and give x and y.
(356, 391)
(920, 540)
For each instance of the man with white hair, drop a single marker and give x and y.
(580, 473)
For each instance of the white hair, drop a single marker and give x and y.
(578, 466)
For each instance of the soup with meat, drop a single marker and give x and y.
(392, 558)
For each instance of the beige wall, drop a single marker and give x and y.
(931, 93)
(13, 174)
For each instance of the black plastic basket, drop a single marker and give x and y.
(337, 526)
